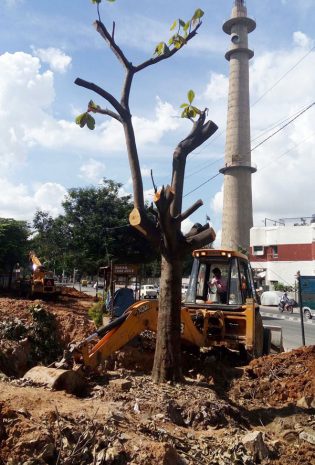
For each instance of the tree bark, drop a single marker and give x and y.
(167, 360)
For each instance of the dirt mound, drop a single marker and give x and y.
(222, 415)
(72, 292)
(277, 380)
(34, 332)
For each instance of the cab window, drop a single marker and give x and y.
(235, 297)
(246, 281)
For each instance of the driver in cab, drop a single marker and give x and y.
(218, 285)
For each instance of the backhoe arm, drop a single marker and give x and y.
(141, 316)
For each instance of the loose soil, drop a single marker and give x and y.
(124, 418)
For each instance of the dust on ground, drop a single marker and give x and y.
(222, 415)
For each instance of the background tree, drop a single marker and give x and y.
(165, 232)
(92, 231)
(13, 245)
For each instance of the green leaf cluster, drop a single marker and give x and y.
(178, 39)
(189, 110)
(85, 119)
(93, 107)
(96, 313)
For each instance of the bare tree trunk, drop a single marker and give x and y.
(167, 360)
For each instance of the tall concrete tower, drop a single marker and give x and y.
(237, 198)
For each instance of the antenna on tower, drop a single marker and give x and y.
(240, 3)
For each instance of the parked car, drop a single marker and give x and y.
(309, 312)
(184, 290)
(148, 291)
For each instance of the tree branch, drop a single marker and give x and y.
(189, 211)
(200, 133)
(153, 61)
(140, 221)
(101, 29)
(103, 93)
(201, 239)
(106, 111)
(196, 229)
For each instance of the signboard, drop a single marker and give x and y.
(126, 269)
(308, 290)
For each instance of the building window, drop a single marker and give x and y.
(274, 249)
(258, 250)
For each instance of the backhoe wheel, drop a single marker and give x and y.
(267, 341)
(259, 335)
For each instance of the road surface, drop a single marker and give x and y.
(291, 326)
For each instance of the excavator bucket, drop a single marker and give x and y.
(57, 379)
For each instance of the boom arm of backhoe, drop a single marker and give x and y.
(34, 259)
(140, 316)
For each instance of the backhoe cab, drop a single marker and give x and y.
(221, 300)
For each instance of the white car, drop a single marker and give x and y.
(148, 291)
(271, 297)
(184, 290)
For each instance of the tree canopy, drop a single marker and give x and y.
(92, 231)
(13, 243)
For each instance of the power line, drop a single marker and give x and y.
(207, 164)
(276, 124)
(205, 182)
(258, 145)
(286, 152)
(282, 127)
(283, 76)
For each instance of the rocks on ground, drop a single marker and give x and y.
(222, 415)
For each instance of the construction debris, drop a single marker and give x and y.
(221, 415)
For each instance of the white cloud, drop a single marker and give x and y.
(13, 3)
(21, 202)
(26, 119)
(146, 172)
(54, 57)
(217, 202)
(92, 171)
(186, 226)
(217, 88)
(148, 195)
(25, 95)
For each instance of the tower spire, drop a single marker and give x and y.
(237, 196)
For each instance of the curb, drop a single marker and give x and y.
(284, 317)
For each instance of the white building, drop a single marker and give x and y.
(278, 252)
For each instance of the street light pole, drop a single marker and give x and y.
(301, 306)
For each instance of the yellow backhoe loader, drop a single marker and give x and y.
(219, 310)
(42, 281)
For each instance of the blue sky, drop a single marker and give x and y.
(45, 45)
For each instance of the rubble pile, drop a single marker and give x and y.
(222, 414)
(278, 380)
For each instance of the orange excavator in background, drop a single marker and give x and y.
(220, 310)
(42, 281)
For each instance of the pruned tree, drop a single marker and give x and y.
(165, 232)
